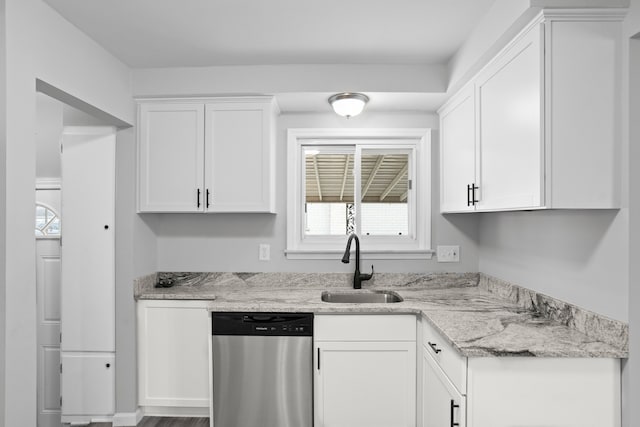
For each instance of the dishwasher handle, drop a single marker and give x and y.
(261, 318)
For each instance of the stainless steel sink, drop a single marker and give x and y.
(366, 297)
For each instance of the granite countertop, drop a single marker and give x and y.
(479, 315)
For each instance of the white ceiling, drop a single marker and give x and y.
(183, 33)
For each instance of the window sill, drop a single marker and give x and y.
(364, 254)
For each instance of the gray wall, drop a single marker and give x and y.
(631, 370)
(3, 199)
(577, 256)
(229, 242)
(48, 131)
(126, 373)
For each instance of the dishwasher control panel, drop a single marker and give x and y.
(276, 324)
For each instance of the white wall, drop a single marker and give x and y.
(228, 242)
(490, 34)
(39, 45)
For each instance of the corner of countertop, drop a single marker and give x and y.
(593, 325)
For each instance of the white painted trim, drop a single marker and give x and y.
(89, 130)
(586, 14)
(127, 418)
(364, 255)
(421, 137)
(48, 184)
(217, 99)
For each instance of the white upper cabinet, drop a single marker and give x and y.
(170, 162)
(207, 155)
(238, 157)
(457, 152)
(509, 102)
(545, 126)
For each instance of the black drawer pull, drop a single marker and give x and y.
(198, 196)
(469, 195)
(434, 347)
(453, 406)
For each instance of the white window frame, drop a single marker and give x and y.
(417, 246)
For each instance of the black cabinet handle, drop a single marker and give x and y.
(453, 406)
(318, 358)
(208, 204)
(468, 195)
(434, 347)
(198, 197)
(474, 187)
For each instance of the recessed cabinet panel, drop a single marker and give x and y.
(365, 384)
(88, 384)
(173, 353)
(237, 157)
(442, 404)
(457, 153)
(171, 169)
(509, 105)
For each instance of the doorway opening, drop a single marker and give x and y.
(55, 121)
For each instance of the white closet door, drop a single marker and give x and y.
(88, 271)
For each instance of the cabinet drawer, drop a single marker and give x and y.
(374, 327)
(452, 363)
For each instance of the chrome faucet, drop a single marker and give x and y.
(357, 277)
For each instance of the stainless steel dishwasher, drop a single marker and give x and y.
(262, 369)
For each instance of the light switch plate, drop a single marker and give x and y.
(449, 253)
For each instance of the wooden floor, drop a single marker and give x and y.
(165, 422)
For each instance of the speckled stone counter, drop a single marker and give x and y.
(479, 315)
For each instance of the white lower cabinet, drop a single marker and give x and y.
(515, 391)
(88, 385)
(442, 403)
(365, 370)
(173, 357)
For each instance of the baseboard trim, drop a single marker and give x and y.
(127, 419)
(175, 411)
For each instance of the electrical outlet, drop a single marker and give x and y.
(448, 253)
(265, 252)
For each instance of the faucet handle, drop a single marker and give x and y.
(367, 276)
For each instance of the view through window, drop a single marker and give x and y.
(330, 191)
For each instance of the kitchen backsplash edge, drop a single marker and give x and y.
(594, 325)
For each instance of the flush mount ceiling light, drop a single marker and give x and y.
(348, 104)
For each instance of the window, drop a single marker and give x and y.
(47, 222)
(375, 183)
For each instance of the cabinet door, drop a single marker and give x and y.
(87, 293)
(442, 404)
(238, 157)
(173, 354)
(170, 157)
(365, 384)
(457, 152)
(509, 96)
(87, 384)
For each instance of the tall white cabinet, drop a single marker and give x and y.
(539, 120)
(207, 155)
(87, 325)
